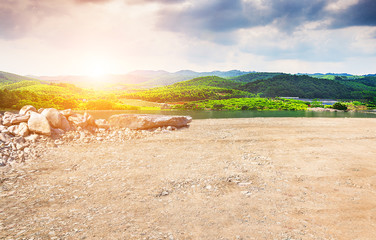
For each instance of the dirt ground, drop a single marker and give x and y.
(260, 178)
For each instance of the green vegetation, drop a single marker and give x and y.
(339, 106)
(210, 81)
(9, 78)
(210, 92)
(59, 96)
(301, 86)
(192, 90)
(255, 103)
(251, 77)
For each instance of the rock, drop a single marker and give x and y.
(3, 128)
(65, 125)
(102, 123)
(1, 119)
(7, 118)
(58, 142)
(145, 121)
(38, 123)
(77, 120)
(23, 130)
(32, 138)
(19, 140)
(83, 121)
(17, 118)
(25, 109)
(13, 130)
(66, 112)
(56, 132)
(5, 137)
(89, 119)
(53, 116)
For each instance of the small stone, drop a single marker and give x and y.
(164, 193)
(58, 142)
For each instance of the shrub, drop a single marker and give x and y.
(340, 106)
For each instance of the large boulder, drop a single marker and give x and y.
(26, 109)
(38, 123)
(53, 116)
(56, 119)
(17, 118)
(145, 121)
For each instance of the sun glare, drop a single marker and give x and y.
(96, 68)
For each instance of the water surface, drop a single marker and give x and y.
(236, 114)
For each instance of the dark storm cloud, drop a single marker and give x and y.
(215, 16)
(224, 15)
(361, 14)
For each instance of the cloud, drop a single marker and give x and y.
(154, 1)
(225, 16)
(92, 1)
(215, 16)
(359, 14)
(18, 17)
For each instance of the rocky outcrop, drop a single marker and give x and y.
(144, 121)
(26, 135)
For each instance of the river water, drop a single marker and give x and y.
(97, 114)
(237, 114)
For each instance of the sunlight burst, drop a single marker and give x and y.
(96, 68)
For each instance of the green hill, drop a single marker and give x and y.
(9, 78)
(302, 86)
(210, 81)
(251, 77)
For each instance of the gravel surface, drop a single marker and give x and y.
(260, 178)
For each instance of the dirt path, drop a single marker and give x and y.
(263, 178)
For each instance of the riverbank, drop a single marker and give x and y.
(260, 178)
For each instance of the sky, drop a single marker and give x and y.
(94, 37)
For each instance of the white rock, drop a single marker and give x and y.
(38, 123)
(25, 109)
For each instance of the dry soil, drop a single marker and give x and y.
(260, 178)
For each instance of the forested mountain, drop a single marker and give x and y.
(9, 78)
(302, 86)
(251, 77)
(211, 81)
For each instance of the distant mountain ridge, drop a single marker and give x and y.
(8, 78)
(143, 78)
